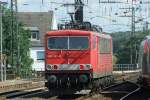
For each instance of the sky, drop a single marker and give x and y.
(105, 15)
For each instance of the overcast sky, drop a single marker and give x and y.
(105, 12)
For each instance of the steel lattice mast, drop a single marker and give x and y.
(14, 33)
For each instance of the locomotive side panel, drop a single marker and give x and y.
(105, 56)
(102, 57)
(94, 54)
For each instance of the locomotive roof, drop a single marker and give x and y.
(76, 32)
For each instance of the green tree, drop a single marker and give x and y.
(25, 59)
(11, 42)
(123, 43)
(114, 59)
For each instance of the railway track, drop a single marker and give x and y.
(14, 94)
(138, 94)
(123, 87)
(114, 92)
(38, 94)
(46, 95)
(117, 91)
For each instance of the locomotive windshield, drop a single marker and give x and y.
(58, 43)
(78, 43)
(68, 43)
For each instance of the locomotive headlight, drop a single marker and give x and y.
(49, 67)
(83, 78)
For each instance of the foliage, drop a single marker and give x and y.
(114, 59)
(25, 59)
(126, 44)
(14, 44)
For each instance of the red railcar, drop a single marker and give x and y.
(77, 60)
(144, 62)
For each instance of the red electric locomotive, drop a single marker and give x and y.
(77, 60)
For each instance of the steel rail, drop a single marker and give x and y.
(131, 93)
(15, 94)
(121, 88)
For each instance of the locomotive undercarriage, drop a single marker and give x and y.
(69, 84)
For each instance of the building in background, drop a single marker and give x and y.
(38, 23)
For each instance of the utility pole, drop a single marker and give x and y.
(132, 30)
(133, 47)
(132, 33)
(1, 35)
(132, 23)
(14, 33)
(3, 68)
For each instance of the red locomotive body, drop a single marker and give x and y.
(77, 59)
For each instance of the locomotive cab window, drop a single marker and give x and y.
(58, 43)
(78, 43)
